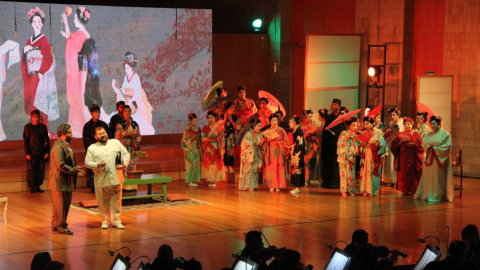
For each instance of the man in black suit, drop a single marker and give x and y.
(63, 178)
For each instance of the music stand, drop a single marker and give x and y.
(120, 263)
(430, 254)
(242, 263)
(339, 260)
(142, 266)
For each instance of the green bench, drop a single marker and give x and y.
(147, 179)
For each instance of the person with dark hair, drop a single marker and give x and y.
(255, 250)
(229, 133)
(128, 133)
(39, 85)
(102, 159)
(275, 172)
(245, 107)
(281, 123)
(54, 265)
(37, 148)
(219, 109)
(132, 94)
(436, 183)
(309, 129)
(364, 255)
(331, 174)
(457, 255)
(264, 112)
(408, 152)
(62, 178)
(76, 78)
(378, 122)
(88, 136)
(212, 144)
(421, 124)
(389, 175)
(471, 236)
(191, 144)
(164, 259)
(251, 156)
(289, 260)
(371, 146)
(192, 264)
(347, 150)
(322, 113)
(40, 260)
(297, 156)
(344, 110)
(114, 120)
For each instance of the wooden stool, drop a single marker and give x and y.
(5, 205)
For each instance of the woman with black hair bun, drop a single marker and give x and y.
(191, 140)
(229, 134)
(251, 156)
(297, 156)
(436, 183)
(312, 140)
(275, 172)
(421, 125)
(244, 106)
(347, 151)
(389, 175)
(264, 112)
(212, 145)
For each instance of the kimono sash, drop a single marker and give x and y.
(430, 155)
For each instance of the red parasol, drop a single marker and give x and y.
(342, 118)
(375, 111)
(424, 108)
(273, 104)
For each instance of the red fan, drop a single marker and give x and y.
(364, 137)
(405, 136)
(373, 113)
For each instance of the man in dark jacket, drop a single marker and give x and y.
(116, 118)
(89, 138)
(37, 147)
(62, 178)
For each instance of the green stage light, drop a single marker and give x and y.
(257, 23)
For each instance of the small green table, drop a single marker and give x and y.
(147, 179)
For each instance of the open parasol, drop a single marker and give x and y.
(210, 97)
(424, 108)
(220, 100)
(342, 118)
(245, 128)
(273, 104)
(375, 111)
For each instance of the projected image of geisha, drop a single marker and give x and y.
(10, 47)
(40, 88)
(134, 95)
(76, 77)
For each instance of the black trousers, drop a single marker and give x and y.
(61, 206)
(90, 178)
(35, 170)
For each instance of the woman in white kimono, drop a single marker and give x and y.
(251, 157)
(134, 95)
(436, 183)
(389, 175)
(12, 48)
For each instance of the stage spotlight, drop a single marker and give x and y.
(257, 24)
(374, 71)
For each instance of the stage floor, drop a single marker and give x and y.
(211, 233)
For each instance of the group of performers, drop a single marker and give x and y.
(412, 155)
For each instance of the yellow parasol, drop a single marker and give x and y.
(212, 94)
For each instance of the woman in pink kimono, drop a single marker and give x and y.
(275, 173)
(436, 183)
(76, 78)
(264, 112)
(244, 106)
(347, 150)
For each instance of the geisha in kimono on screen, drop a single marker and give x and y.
(76, 77)
(212, 147)
(39, 85)
(133, 95)
(12, 48)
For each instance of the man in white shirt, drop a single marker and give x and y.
(101, 158)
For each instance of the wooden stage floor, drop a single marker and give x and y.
(211, 233)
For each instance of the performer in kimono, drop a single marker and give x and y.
(40, 88)
(245, 107)
(230, 132)
(275, 173)
(281, 123)
(331, 174)
(129, 134)
(322, 113)
(297, 156)
(347, 150)
(88, 136)
(389, 175)
(370, 143)
(134, 95)
(264, 112)
(212, 143)
(251, 156)
(311, 139)
(76, 78)
(378, 122)
(421, 125)
(219, 109)
(191, 144)
(408, 154)
(37, 148)
(12, 49)
(436, 183)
